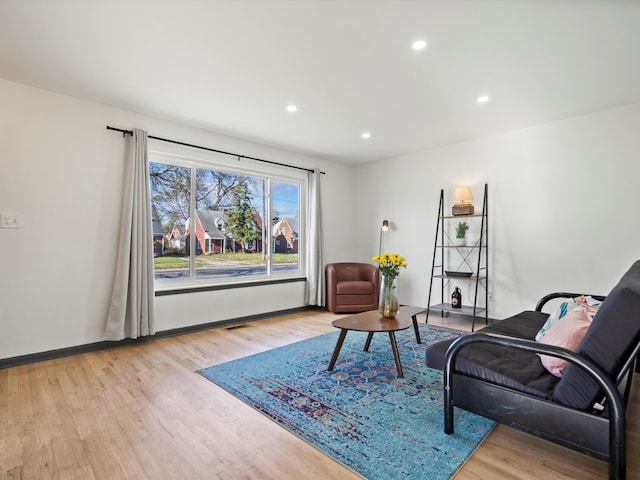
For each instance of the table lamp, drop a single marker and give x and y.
(462, 201)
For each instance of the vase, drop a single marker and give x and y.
(389, 304)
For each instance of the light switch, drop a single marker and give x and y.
(11, 220)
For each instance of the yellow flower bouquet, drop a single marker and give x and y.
(389, 265)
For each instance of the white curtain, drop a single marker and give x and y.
(131, 313)
(314, 286)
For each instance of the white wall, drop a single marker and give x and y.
(562, 205)
(62, 171)
(562, 214)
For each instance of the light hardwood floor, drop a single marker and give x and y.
(141, 412)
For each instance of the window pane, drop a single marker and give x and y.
(214, 224)
(229, 212)
(286, 228)
(170, 191)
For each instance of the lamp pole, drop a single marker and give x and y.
(383, 228)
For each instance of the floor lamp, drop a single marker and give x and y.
(384, 228)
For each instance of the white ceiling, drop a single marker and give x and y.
(233, 66)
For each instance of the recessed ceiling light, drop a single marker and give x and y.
(483, 99)
(418, 45)
(292, 108)
(366, 135)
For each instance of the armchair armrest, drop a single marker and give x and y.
(331, 274)
(370, 275)
(552, 296)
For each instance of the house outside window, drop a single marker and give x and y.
(285, 232)
(209, 221)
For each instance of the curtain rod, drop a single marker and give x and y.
(130, 132)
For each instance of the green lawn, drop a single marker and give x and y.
(255, 258)
(173, 261)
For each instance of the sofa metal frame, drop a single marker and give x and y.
(600, 433)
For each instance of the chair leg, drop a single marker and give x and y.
(448, 404)
(448, 418)
(617, 447)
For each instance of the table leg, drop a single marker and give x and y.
(368, 342)
(336, 351)
(396, 355)
(415, 327)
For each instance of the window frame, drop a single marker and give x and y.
(188, 158)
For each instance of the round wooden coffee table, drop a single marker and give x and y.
(373, 322)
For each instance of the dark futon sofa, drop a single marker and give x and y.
(496, 372)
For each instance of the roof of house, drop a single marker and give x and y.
(176, 231)
(291, 221)
(209, 219)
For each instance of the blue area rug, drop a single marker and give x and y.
(361, 414)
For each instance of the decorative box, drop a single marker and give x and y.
(462, 210)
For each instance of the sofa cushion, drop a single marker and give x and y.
(582, 302)
(568, 333)
(354, 288)
(516, 369)
(613, 334)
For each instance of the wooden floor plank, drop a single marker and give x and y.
(141, 412)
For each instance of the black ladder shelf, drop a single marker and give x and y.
(452, 258)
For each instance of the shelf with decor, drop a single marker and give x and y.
(456, 262)
(463, 310)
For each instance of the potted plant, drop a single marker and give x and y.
(461, 232)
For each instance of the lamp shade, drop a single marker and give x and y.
(385, 225)
(462, 196)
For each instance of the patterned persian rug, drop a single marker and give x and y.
(361, 414)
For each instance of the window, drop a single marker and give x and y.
(218, 222)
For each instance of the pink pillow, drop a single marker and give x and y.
(568, 332)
